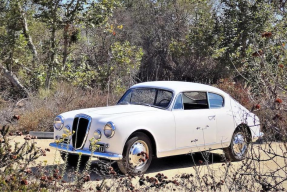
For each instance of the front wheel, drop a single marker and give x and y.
(239, 145)
(137, 155)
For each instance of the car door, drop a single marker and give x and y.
(195, 122)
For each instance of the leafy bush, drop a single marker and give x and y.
(236, 90)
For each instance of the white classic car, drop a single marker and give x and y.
(158, 119)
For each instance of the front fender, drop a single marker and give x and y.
(160, 124)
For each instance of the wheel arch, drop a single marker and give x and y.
(151, 137)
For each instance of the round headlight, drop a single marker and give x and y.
(58, 123)
(109, 130)
(97, 134)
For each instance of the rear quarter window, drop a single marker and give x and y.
(215, 101)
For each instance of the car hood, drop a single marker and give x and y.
(110, 110)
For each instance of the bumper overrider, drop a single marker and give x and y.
(72, 150)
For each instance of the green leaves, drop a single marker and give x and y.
(122, 66)
(102, 43)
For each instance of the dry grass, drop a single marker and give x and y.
(38, 112)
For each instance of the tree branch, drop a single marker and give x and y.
(27, 35)
(14, 80)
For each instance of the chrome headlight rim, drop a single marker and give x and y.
(110, 125)
(97, 133)
(59, 119)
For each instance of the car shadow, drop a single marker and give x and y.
(184, 161)
(99, 171)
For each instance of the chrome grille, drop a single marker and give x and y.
(81, 127)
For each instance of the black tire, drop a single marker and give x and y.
(72, 159)
(233, 153)
(124, 165)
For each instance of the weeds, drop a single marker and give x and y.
(255, 173)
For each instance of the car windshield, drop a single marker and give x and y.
(147, 96)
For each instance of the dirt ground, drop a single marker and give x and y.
(171, 166)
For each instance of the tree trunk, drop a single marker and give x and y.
(66, 44)
(52, 51)
(28, 37)
(14, 80)
(52, 58)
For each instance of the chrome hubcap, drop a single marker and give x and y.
(136, 154)
(239, 144)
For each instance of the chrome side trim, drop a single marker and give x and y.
(87, 130)
(71, 150)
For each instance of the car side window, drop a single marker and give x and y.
(215, 100)
(178, 102)
(194, 100)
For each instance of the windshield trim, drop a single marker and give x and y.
(165, 108)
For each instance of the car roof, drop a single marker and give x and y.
(179, 86)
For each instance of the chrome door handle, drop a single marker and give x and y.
(211, 117)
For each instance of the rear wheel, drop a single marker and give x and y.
(137, 155)
(72, 159)
(239, 145)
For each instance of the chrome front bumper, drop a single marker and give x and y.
(70, 149)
